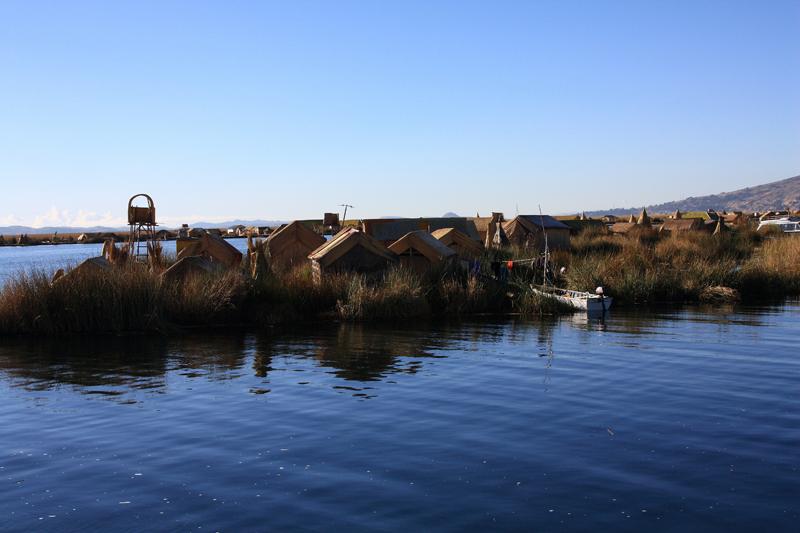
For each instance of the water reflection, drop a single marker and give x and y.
(477, 425)
(110, 366)
(85, 363)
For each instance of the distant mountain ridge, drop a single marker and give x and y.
(783, 194)
(20, 230)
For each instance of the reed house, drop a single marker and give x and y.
(351, 250)
(459, 242)
(290, 245)
(527, 231)
(420, 251)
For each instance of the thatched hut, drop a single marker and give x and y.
(459, 242)
(214, 248)
(681, 225)
(644, 219)
(419, 251)
(623, 228)
(290, 245)
(186, 267)
(388, 230)
(579, 225)
(351, 250)
(735, 218)
(527, 231)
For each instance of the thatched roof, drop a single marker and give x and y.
(346, 240)
(215, 248)
(424, 244)
(518, 229)
(644, 219)
(623, 227)
(521, 227)
(543, 221)
(294, 234)
(190, 266)
(453, 238)
(94, 264)
(682, 224)
(576, 225)
(388, 230)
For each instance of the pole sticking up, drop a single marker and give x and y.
(344, 216)
(546, 249)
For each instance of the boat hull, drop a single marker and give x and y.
(581, 301)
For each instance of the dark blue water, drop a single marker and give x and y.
(660, 421)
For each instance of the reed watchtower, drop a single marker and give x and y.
(142, 222)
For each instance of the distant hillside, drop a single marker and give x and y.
(784, 194)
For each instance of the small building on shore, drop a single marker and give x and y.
(459, 242)
(420, 251)
(351, 250)
(578, 224)
(238, 230)
(681, 225)
(290, 245)
(623, 228)
(527, 231)
(389, 230)
(211, 247)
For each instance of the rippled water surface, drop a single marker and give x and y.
(679, 420)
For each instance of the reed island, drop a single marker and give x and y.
(401, 269)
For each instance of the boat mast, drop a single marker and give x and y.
(546, 250)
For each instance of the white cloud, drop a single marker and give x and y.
(81, 218)
(9, 220)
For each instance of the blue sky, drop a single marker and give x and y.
(226, 110)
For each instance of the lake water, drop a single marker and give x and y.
(681, 420)
(51, 257)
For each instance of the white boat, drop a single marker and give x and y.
(593, 304)
(596, 303)
(786, 224)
